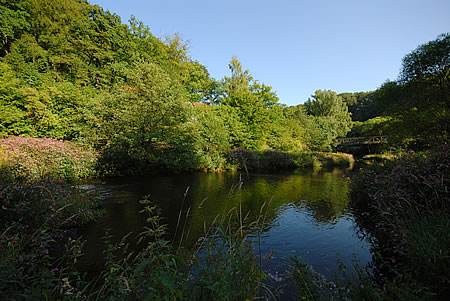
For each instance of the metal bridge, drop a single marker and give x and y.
(361, 140)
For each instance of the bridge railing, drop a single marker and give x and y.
(361, 140)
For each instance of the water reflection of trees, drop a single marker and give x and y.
(322, 195)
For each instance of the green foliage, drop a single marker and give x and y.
(154, 273)
(212, 137)
(287, 133)
(250, 101)
(71, 70)
(331, 111)
(145, 124)
(302, 131)
(14, 20)
(309, 285)
(12, 111)
(249, 160)
(403, 205)
(362, 105)
(321, 159)
(372, 127)
(235, 127)
(33, 214)
(226, 265)
(419, 102)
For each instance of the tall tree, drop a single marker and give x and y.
(251, 101)
(327, 105)
(14, 15)
(419, 102)
(362, 105)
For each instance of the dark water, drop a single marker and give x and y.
(306, 213)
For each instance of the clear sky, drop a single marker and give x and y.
(297, 46)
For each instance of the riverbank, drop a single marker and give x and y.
(402, 206)
(39, 200)
(388, 206)
(39, 207)
(267, 161)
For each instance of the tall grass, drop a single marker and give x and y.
(33, 215)
(223, 265)
(403, 207)
(322, 159)
(249, 160)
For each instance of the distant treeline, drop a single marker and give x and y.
(71, 70)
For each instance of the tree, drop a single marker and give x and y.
(429, 61)
(328, 106)
(362, 105)
(240, 79)
(13, 119)
(13, 22)
(287, 132)
(212, 136)
(153, 105)
(314, 132)
(419, 102)
(251, 102)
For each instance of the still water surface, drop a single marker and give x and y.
(307, 215)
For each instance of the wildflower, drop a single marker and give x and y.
(275, 277)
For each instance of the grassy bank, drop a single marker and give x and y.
(403, 207)
(269, 161)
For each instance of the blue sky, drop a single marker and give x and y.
(298, 46)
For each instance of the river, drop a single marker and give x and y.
(306, 212)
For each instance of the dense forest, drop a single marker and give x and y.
(71, 70)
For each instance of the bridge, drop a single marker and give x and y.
(361, 140)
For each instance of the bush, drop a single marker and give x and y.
(33, 214)
(36, 158)
(404, 207)
(305, 159)
(260, 161)
(274, 160)
(322, 159)
(243, 158)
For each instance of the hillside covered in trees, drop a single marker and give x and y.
(71, 70)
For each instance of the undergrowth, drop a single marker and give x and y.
(403, 208)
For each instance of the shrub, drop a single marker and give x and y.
(322, 159)
(33, 214)
(335, 159)
(404, 208)
(260, 161)
(305, 159)
(243, 158)
(36, 158)
(273, 160)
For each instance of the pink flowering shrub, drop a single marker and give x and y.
(35, 158)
